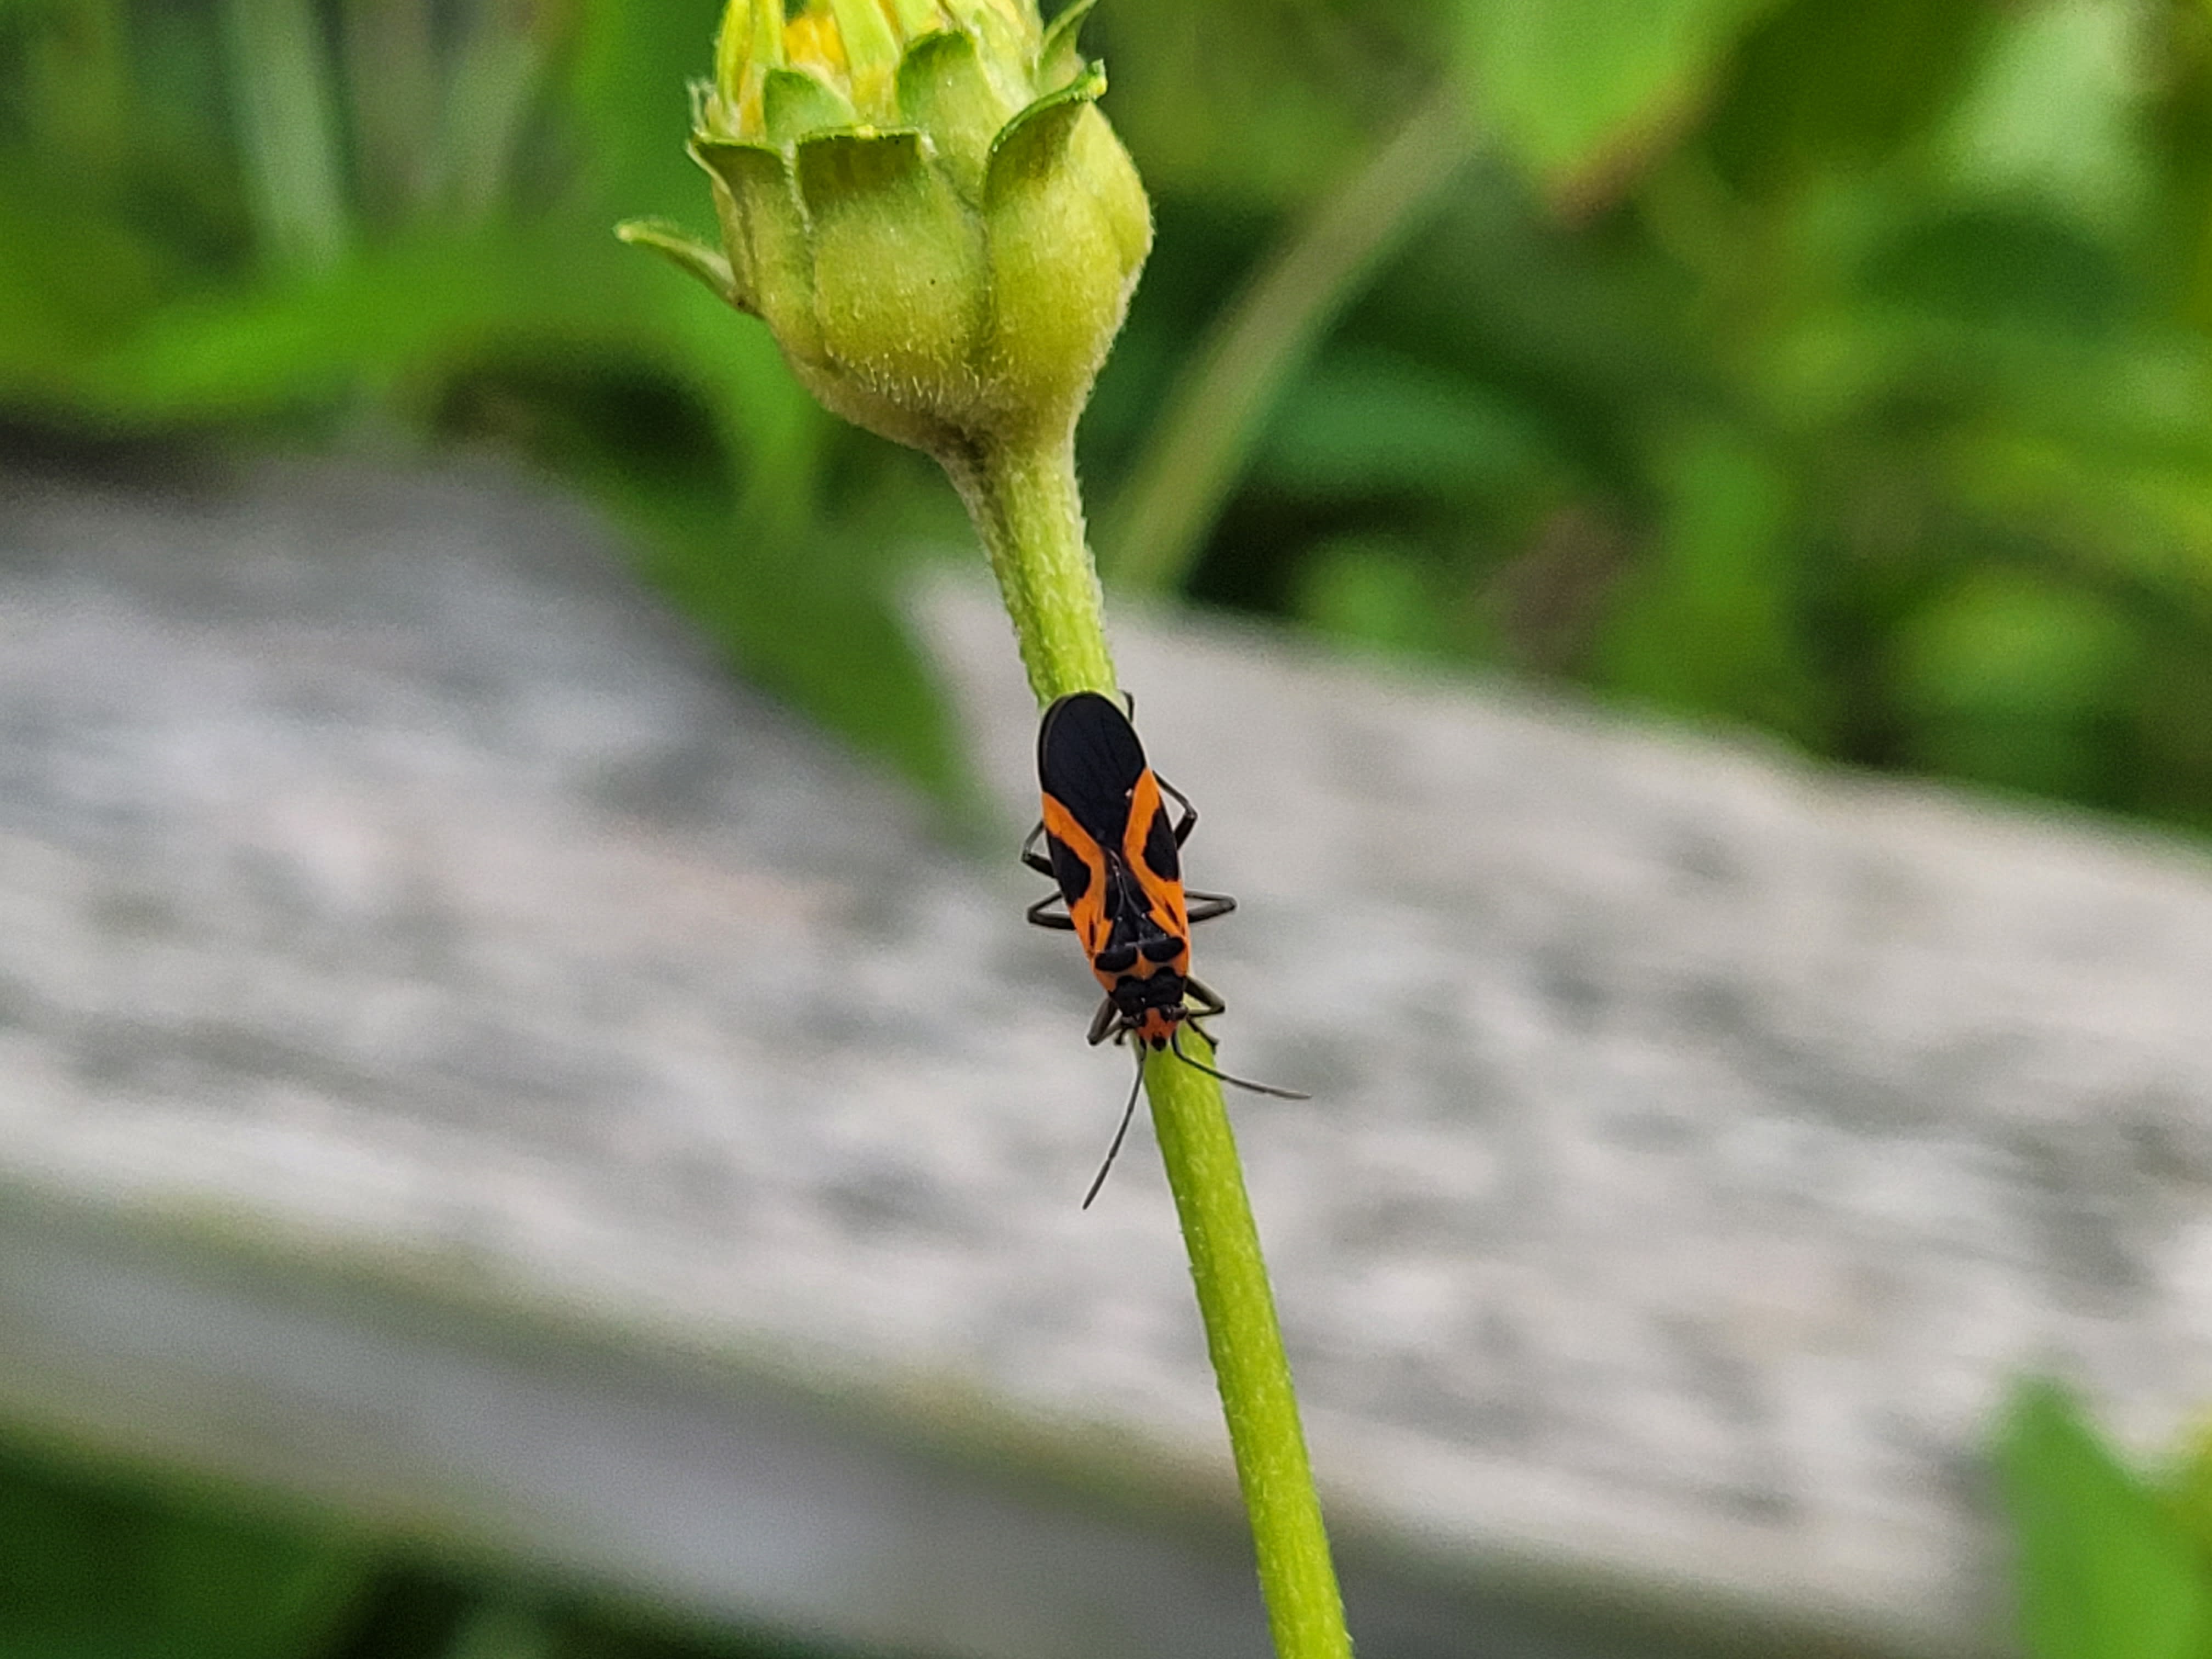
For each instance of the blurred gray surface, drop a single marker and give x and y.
(462, 1059)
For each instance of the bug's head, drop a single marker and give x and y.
(1151, 1007)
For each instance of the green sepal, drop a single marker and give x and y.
(1096, 153)
(943, 90)
(1008, 39)
(914, 17)
(695, 259)
(766, 235)
(899, 265)
(795, 102)
(1068, 230)
(1033, 141)
(1010, 32)
(1059, 60)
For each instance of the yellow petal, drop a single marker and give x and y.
(749, 44)
(872, 55)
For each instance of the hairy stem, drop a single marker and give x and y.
(1191, 461)
(1023, 499)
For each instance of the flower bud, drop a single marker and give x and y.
(922, 200)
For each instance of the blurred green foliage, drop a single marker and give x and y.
(95, 1564)
(2108, 1563)
(1838, 368)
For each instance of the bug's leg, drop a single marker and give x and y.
(1203, 907)
(1188, 820)
(1103, 1023)
(1209, 1005)
(1030, 856)
(1037, 916)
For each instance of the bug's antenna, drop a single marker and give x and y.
(1175, 1041)
(1127, 1112)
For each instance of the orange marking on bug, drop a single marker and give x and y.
(1094, 927)
(1163, 892)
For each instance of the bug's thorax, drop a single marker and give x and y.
(1135, 936)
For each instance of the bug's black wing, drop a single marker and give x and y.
(1089, 759)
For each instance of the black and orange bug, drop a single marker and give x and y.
(1116, 858)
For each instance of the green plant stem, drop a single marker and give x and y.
(1191, 458)
(496, 72)
(287, 129)
(74, 84)
(1305, 1610)
(391, 62)
(1026, 508)
(1022, 496)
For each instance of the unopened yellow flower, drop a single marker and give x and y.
(922, 200)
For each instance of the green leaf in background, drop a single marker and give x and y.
(1993, 267)
(2104, 1570)
(1820, 88)
(1369, 423)
(1725, 574)
(2189, 1485)
(633, 64)
(1372, 591)
(383, 318)
(2009, 678)
(1250, 103)
(113, 1562)
(503, 1629)
(1582, 90)
(91, 1572)
(72, 281)
(2056, 114)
